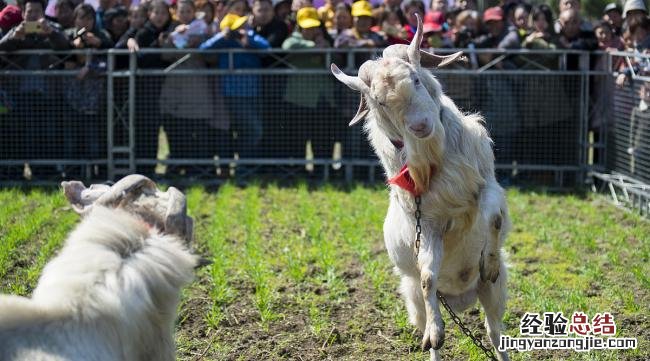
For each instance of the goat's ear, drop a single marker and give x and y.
(81, 198)
(176, 219)
(414, 46)
(361, 112)
(353, 82)
(429, 60)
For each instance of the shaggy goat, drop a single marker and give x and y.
(112, 291)
(450, 164)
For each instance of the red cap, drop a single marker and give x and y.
(10, 16)
(433, 22)
(495, 13)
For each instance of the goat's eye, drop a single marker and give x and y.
(417, 81)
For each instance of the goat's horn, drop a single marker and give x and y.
(414, 46)
(361, 112)
(365, 74)
(129, 186)
(427, 60)
(353, 82)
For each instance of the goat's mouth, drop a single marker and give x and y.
(421, 131)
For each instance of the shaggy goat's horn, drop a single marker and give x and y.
(427, 60)
(414, 47)
(366, 71)
(352, 82)
(361, 112)
(130, 186)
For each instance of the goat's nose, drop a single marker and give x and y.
(418, 126)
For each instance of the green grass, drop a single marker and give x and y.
(301, 273)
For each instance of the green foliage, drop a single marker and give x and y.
(301, 273)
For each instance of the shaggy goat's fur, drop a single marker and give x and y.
(464, 212)
(110, 294)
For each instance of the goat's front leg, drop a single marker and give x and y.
(495, 217)
(491, 253)
(429, 260)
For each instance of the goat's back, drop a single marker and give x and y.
(111, 293)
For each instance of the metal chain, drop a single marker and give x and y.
(418, 226)
(418, 235)
(488, 351)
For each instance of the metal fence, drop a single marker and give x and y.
(200, 116)
(626, 172)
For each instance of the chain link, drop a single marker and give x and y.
(418, 235)
(418, 226)
(488, 351)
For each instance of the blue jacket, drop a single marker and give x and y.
(238, 85)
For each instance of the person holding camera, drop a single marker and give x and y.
(34, 94)
(34, 32)
(154, 34)
(85, 33)
(84, 93)
(465, 29)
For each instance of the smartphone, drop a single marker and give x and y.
(33, 27)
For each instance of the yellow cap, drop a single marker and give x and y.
(307, 18)
(232, 21)
(361, 8)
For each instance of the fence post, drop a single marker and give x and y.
(583, 141)
(604, 128)
(132, 69)
(110, 108)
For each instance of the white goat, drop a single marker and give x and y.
(451, 165)
(110, 294)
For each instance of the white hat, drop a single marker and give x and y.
(634, 5)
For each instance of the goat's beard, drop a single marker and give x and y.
(424, 157)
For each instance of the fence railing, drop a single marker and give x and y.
(626, 168)
(201, 115)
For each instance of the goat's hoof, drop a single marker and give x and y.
(489, 268)
(433, 340)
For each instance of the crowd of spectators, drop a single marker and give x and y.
(280, 23)
(264, 24)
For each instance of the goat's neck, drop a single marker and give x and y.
(391, 157)
(424, 158)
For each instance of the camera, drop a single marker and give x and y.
(464, 37)
(81, 32)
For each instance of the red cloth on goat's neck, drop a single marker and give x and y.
(403, 178)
